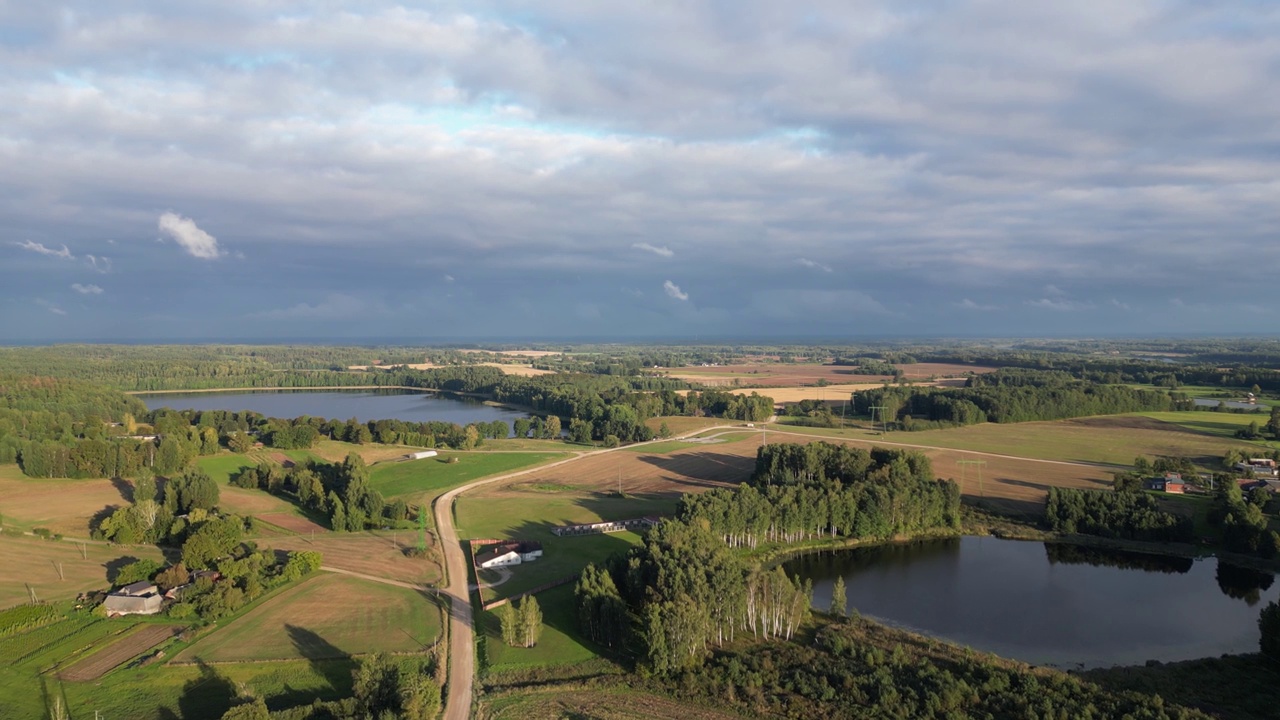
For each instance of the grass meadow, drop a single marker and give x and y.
(421, 480)
(327, 617)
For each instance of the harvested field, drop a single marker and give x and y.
(691, 470)
(524, 370)
(334, 451)
(327, 616)
(924, 370)
(64, 506)
(243, 501)
(377, 554)
(774, 375)
(119, 652)
(293, 523)
(681, 424)
(831, 393)
(29, 561)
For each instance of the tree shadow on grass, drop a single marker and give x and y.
(327, 660)
(210, 695)
(703, 469)
(113, 566)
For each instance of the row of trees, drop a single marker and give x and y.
(338, 491)
(521, 622)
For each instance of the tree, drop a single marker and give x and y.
(419, 694)
(470, 438)
(510, 622)
(551, 427)
(839, 598)
(255, 709)
(337, 513)
(240, 442)
(144, 488)
(376, 686)
(136, 571)
(664, 431)
(530, 621)
(1269, 626)
(522, 427)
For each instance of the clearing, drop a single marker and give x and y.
(421, 480)
(62, 505)
(326, 616)
(376, 554)
(292, 522)
(32, 562)
(132, 644)
(560, 643)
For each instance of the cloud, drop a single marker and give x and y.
(51, 307)
(967, 304)
(86, 289)
(100, 264)
(36, 247)
(673, 291)
(813, 264)
(195, 241)
(1060, 305)
(1119, 305)
(448, 278)
(663, 251)
(334, 307)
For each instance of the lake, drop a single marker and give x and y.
(1232, 404)
(364, 405)
(1048, 603)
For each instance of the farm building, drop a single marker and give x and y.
(1171, 483)
(1260, 467)
(508, 553)
(140, 598)
(611, 526)
(421, 455)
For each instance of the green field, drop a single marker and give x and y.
(531, 515)
(204, 692)
(222, 467)
(560, 644)
(1215, 423)
(423, 479)
(327, 617)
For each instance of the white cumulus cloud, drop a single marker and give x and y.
(663, 251)
(86, 289)
(184, 231)
(36, 247)
(673, 291)
(813, 264)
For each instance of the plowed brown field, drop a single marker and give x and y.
(377, 555)
(119, 652)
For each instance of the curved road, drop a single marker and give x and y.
(461, 657)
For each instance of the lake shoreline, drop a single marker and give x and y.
(483, 398)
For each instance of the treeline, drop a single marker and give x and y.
(1009, 396)
(687, 590)
(1244, 524)
(1123, 515)
(857, 669)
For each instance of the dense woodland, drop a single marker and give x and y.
(856, 669)
(1009, 396)
(1120, 515)
(691, 588)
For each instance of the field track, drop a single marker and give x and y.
(119, 652)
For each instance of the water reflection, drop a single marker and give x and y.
(1243, 583)
(1056, 604)
(1107, 557)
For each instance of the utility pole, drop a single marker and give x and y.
(883, 422)
(979, 463)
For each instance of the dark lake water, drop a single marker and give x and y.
(1232, 404)
(364, 405)
(1048, 603)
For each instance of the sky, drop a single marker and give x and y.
(571, 168)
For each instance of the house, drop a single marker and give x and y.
(421, 455)
(140, 598)
(1170, 483)
(508, 553)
